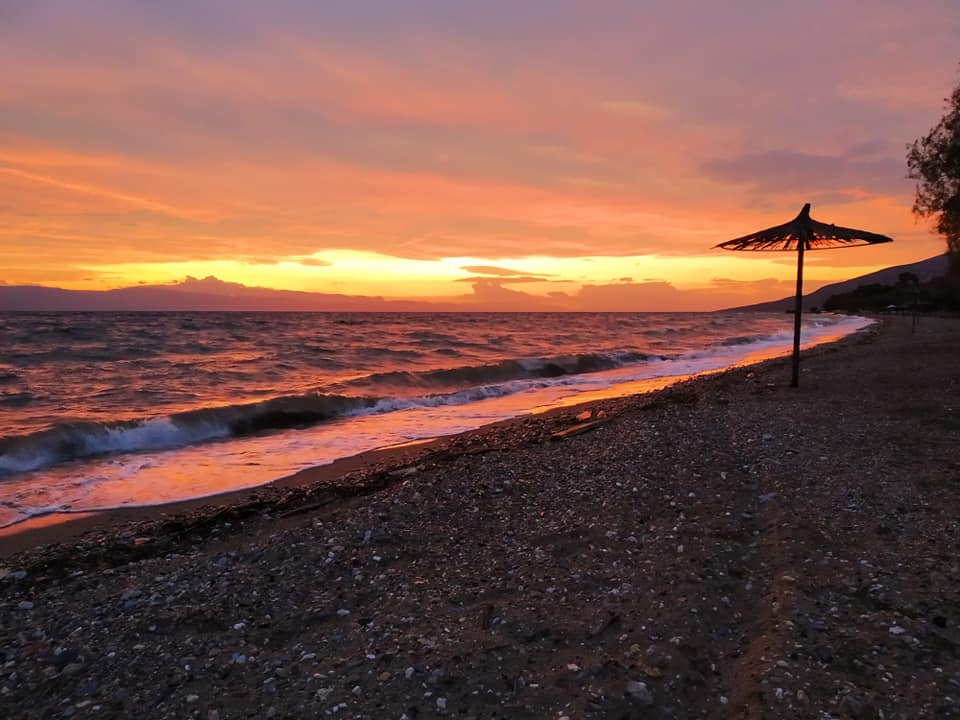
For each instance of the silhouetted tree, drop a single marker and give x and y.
(934, 161)
(907, 280)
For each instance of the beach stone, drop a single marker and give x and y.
(853, 707)
(25, 605)
(72, 668)
(639, 692)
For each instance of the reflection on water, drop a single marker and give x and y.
(145, 475)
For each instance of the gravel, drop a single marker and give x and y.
(728, 547)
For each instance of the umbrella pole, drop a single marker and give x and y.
(797, 311)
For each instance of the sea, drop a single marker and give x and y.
(106, 410)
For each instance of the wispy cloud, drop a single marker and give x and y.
(494, 270)
(169, 132)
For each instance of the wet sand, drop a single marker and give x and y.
(728, 547)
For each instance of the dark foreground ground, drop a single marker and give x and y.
(728, 548)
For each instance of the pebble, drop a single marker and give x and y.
(441, 704)
(192, 698)
(25, 605)
(639, 692)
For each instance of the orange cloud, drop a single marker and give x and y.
(176, 134)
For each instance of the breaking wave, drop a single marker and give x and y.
(65, 442)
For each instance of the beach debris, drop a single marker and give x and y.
(581, 427)
(405, 472)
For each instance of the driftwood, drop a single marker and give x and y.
(577, 429)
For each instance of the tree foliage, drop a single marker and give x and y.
(934, 161)
(906, 293)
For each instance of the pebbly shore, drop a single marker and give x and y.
(729, 547)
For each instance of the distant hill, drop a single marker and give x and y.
(208, 294)
(924, 269)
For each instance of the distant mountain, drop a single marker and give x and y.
(211, 294)
(193, 295)
(924, 269)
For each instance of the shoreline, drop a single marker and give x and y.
(347, 474)
(728, 547)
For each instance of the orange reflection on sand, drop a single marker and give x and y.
(43, 521)
(647, 385)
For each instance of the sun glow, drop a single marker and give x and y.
(351, 272)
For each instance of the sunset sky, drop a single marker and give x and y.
(583, 155)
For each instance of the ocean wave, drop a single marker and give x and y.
(16, 399)
(76, 440)
(743, 340)
(383, 392)
(66, 442)
(499, 372)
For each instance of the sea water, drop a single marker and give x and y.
(107, 410)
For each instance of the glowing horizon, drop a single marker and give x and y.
(375, 153)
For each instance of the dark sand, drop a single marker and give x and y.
(729, 547)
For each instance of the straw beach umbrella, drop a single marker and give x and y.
(801, 234)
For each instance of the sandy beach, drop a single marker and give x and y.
(726, 548)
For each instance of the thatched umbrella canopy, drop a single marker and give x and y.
(801, 234)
